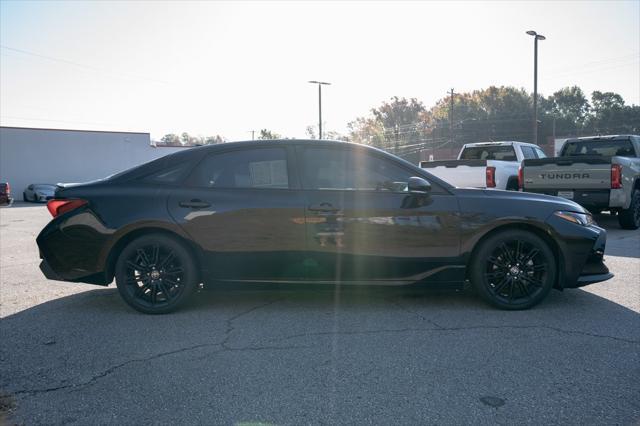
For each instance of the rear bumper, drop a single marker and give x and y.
(589, 198)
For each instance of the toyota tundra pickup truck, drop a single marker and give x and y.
(598, 172)
(485, 165)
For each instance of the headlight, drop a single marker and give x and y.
(584, 219)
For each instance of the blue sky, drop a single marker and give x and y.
(231, 67)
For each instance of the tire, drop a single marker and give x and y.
(24, 197)
(156, 274)
(513, 270)
(630, 218)
(512, 184)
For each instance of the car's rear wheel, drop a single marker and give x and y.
(156, 274)
(514, 269)
(630, 218)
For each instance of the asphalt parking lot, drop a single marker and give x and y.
(75, 354)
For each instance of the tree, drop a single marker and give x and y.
(268, 134)
(568, 104)
(170, 139)
(212, 140)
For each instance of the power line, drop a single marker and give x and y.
(84, 66)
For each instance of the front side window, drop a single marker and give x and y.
(326, 168)
(256, 168)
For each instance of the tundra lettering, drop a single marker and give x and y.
(564, 176)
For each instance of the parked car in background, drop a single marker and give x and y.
(5, 194)
(39, 192)
(598, 172)
(485, 165)
(307, 212)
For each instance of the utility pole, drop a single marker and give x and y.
(536, 37)
(320, 84)
(451, 117)
(253, 134)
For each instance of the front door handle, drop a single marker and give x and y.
(195, 204)
(323, 207)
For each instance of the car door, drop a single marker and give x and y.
(243, 208)
(364, 226)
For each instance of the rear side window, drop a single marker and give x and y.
(495, 152)
(173, 174)
(540, 153)
(256, 168)
(621, 148)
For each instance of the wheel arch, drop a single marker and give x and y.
(536, 230)
(512, 183)
(126, 238)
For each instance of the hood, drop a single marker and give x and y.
(557, 203)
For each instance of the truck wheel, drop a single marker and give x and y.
(512, 184)
(630, 218)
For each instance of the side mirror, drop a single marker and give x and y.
(418, 185)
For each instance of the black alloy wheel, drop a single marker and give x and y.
(514, 270)
(155, 274)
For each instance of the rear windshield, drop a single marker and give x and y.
(501, 152)
(604, 148)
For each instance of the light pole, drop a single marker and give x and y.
(536, 37)
(320, 84)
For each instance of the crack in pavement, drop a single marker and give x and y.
(445, 329)
(404, 308)
(222, 344)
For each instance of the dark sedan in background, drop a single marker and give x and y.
(312, 212)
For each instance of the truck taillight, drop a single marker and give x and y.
(520, 178)
(616, 176)
(8, 189)
(491, 177)
(58, 207)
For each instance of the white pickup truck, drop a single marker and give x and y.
(485, 164)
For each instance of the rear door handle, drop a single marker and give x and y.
(323, 207)
(195, 204)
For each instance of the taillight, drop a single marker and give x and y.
(520, 177)
(58, 207)
(616, 176)
(8, 189)
(491, 177)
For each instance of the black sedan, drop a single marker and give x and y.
(312, 212)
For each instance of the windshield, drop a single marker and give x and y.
(595, 147)
(495, 152)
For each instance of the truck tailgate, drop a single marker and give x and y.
(578, 172)
(459, 173)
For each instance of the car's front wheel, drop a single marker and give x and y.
(156, 274)
(513, 269)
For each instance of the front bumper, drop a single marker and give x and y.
(594, 269)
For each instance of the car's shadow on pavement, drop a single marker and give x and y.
(265, 354)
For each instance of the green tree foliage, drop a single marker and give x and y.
(406, 127)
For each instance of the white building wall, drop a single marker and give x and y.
(52, 156)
